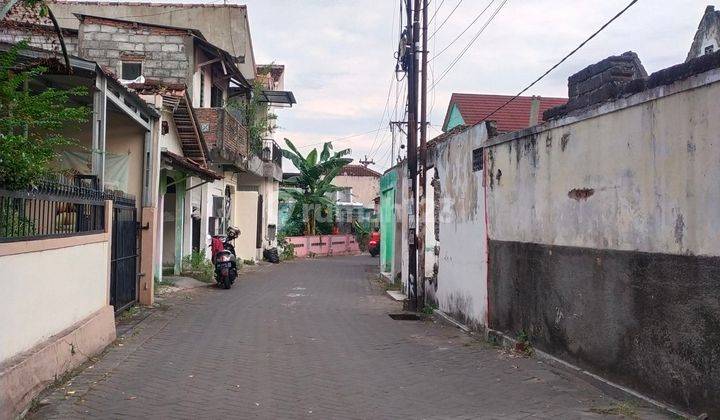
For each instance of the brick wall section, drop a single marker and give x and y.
(603, 81)
(209, 122)
(662, 77)
(600, 82)
(222, 132)
(235, 135)
(166, 53)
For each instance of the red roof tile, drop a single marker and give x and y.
(358, 170)
(515, 116)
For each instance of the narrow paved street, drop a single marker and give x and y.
(312, 339)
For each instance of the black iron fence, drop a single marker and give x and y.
(54, 208)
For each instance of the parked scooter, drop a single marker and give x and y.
(224, 258)
(374, 243)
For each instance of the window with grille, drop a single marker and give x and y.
(477, 159)
(202, 89)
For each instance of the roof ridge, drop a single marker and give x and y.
(137, 3)
(506, 96)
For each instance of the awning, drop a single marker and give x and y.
(188, 165)
(277, 97)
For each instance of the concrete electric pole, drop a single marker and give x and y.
(422, 164)
(413, 19)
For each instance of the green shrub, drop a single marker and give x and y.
(197, 266)
(33, 123)
(287, 249)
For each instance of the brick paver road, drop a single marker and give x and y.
(312, 339)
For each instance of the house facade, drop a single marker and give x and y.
(70, 313)
(525, 111)
(164, 162)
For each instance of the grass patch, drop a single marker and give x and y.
(429, 309)
(249, 262)
(523, 344)
(198, 267)
(129, 313)
(160, 287)
(624, 409)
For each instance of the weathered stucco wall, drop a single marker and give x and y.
(603, 239)
(642, 178)
(461, 287)
(707, 37)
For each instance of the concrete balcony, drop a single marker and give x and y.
(224, 134)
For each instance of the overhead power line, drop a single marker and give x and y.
(463, 32)
(470, 44)
(339, 139)
(632, 3)
(446, 19)
(437, 9)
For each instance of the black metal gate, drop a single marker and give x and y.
(124, 255)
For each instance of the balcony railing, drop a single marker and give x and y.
(272, 152)
(225, 135)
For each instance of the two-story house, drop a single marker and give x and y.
(202, 144)
(254, 183)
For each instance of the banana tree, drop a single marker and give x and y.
(312, 186)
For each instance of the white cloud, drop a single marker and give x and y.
(339, 53)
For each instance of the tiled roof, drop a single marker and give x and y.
(359, 170)
(169, 6)
(515, 116)
(189, 165)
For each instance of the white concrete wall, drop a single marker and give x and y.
(270, 189)
(170, 141)
(45, 292)
(246, 216)
(207, 191)
(462, 264)
(652, 166)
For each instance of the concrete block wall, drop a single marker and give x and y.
(603, 81)
(166, 54)
(36, 37)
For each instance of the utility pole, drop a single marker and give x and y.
(414, 35)
(367, 162)
(422, 166)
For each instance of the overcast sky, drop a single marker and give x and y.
(339, 55)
